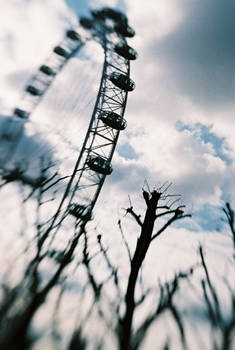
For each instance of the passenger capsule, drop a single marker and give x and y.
(108, 12)
(86, 23)
(47, 70)
(80, 211)
(125, 30)
(100, 165)
(21, 113)
(122, 81)
(113, 120)
(61, 52)
(73, 35)
(126, 51)
(33, 90)
(98, 14)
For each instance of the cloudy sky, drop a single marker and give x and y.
(180, 117)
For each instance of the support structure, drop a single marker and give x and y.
(107, 120)
(40, 82)
(37, 86)
(110, 28)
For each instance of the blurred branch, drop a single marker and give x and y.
(114, 272)
(135, 216)
(178, 214)
(225, 324)
(230, 219)
(167, 293)
(86, 261)
(214, 310)
(124, 240)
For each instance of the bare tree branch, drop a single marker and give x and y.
(231, 221)
(124, 240)
(135, 216)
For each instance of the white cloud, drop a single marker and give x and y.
(159, 100)
(153, 108)
(164, 95)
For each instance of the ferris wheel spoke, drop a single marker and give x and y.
(109, 28)
(40, 82)
(34, 91)
(105, 124)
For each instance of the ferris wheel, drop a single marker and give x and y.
(110, 29)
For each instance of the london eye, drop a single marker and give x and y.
(110, 29)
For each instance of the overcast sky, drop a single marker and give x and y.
(180, 117)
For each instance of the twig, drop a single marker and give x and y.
(124, 240)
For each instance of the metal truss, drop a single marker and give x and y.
(37, 86)
(40, 82)
(94, 161)
(101, 139)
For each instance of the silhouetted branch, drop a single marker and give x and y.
(135, 216)
(114, 272)
(216, 306)
(230, 219)
(77, 342)
(225, 324)
(124, 240)
(86, 260)
(143, 297)
(167, 293)
(143, 243)
(178, 319)
(177, 216)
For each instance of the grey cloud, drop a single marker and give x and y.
(129, 178)
(198, 187)
(199, 55)
(25, 149)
